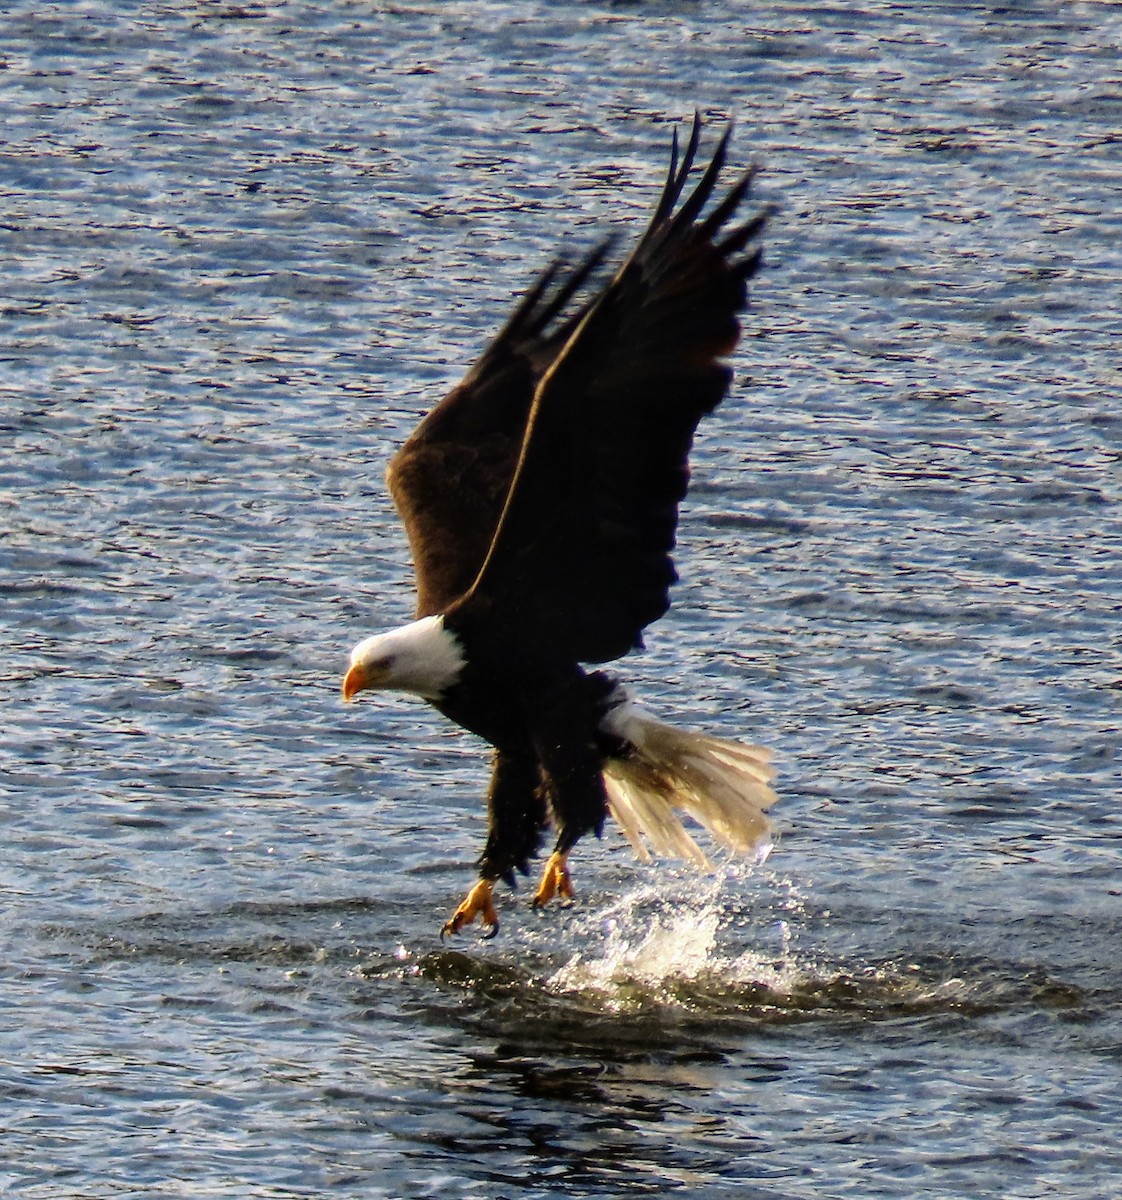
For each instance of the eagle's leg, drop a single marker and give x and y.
(479, 902)
(516, 808)
(572, 773)
(556, 880)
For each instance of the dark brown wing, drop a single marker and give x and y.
(581, 561)
(450, 480)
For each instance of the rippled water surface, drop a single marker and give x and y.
(244, 247)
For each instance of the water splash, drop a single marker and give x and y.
(656, 948)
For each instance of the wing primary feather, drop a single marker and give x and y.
(736, 239)
(712, 224)
(678, 174)
(575, 281)
(691, 149)
(529, 317)
(747, 267)
(669, 195)
(687, 214)
(524, 310)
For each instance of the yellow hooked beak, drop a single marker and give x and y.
(355, 680)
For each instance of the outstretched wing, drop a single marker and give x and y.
(451, 478)
(581, 561)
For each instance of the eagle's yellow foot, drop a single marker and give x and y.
(556, 881)
(479, 903)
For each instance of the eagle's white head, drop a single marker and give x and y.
(423, 658)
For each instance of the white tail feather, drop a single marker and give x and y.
(722, 784)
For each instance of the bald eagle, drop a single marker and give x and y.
(540, 499)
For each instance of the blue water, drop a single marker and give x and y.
(245, 247)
